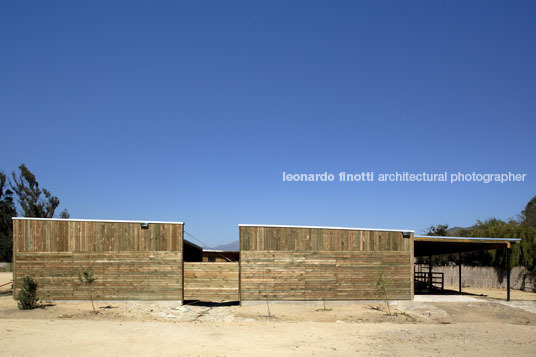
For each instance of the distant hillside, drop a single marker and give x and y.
(455, 231)
(229, 246)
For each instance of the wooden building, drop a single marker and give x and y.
(323, 263)
(148, 260)
(131, 259)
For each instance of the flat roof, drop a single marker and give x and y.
(466, 239)
(437, 245)
(186, 241)
(323, 227)
(92, 220)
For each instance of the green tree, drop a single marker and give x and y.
(528, 241)
(521, 254)
(495, 228)
(439, 230)
(7, 211)
(529, 214)
(65, 214)
(34, 201)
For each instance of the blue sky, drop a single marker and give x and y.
(191, 111)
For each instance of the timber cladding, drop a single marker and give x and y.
(209, 281)
(129, 261)
(316, 263)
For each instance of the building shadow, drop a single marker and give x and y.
(211, 303)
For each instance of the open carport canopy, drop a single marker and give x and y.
(436, 245)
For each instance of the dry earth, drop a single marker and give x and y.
(449, 325)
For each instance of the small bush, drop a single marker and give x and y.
(27, 296)
(381, 284)
(86, 277)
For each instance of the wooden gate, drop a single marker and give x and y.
(214, 282)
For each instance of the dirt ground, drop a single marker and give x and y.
(498, 294)
(430, 325)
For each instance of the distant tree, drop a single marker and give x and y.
(495, 228)
(65, 214)
(529, 214)
(34, 201)
(528, 242)
(7, 211)
(521, 254)
(439, 230)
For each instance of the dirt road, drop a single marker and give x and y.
(24, 337)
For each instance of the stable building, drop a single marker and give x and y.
(323, 263)
(151, 260)
(131, 260)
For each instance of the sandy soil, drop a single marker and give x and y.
(498, 294)
(5, 278)
(445, 326)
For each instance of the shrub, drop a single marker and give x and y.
(27, 296)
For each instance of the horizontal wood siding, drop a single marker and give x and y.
(129, 263)
(211, 281)
(281, 263)
(120, 276)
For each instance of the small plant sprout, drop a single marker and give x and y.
(381, 287)
(86, 277)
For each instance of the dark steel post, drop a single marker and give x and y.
(460, 272)
(430, 273)
(508, 274)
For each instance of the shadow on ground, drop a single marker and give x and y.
(210, 304)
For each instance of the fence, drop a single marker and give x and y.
(426, 280)
(215, 282)
(483, 277)
(6, 267)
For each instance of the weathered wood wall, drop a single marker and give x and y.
(58, 235)
(129, 262)
(211, 281)
(291, 263)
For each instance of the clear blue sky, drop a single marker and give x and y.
(191, 111)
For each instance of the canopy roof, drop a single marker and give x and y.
(435, 245)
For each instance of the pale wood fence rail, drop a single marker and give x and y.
(211, 281)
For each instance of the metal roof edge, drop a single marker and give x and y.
(324, 227)
(471, 238)
(220, 251)
(93, 220)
